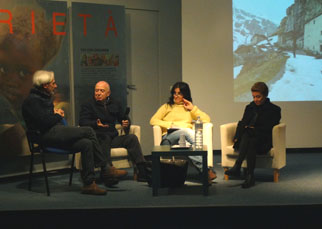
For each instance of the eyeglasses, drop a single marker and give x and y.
(177, 94)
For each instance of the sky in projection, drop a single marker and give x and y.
(273, 10)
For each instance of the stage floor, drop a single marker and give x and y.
(300, 184)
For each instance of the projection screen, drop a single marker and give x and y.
(279, 43)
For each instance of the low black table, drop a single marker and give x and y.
(165, 150)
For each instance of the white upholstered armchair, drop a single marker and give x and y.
(207, 139)
(119, 155)
(276, 158)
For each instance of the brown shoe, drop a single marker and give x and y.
(93, 189)
(211, 175)
(115, 173)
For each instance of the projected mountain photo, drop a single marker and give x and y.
(279, 43)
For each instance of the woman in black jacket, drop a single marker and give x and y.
(254, 132)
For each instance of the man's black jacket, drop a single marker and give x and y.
(109, 112)
(38, 111)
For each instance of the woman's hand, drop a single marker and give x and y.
(187, 105)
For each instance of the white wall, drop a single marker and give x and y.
(207, 66)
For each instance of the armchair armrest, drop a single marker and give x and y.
(134, 129)
(207, 140)
(207, 134)
(279, 146)
(227, 133)
(157, 135)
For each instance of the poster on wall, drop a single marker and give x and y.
(33, 36)
(98, 50)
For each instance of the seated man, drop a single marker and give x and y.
(102, 113)
(39, 114)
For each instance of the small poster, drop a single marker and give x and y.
(99, 50)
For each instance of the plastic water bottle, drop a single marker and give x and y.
(198, 134)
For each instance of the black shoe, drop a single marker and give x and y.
(249, 181)
(142, 178)
(144, 172)
(234, 172)
(148, 165)
(108, 181)
(145, 176)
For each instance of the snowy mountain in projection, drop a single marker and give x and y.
(246, 25)
(301, 81)
(285, 56)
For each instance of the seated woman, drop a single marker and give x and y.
(179, 112)
(254, 132)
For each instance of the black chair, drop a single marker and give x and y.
(36, 146)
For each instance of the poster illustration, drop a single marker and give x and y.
(33, 36)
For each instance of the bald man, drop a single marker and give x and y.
(102, 113)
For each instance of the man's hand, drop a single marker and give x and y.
(100, 124)
(187, 105)
(252, 127)
(125, 123)
(60, 112)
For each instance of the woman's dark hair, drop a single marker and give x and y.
(260, 87)
(184, 89)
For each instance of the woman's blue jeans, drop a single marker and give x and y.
(189, 134)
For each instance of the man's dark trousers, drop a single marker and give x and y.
(82, 139)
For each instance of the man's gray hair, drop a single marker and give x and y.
(42, 77)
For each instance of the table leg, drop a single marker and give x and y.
(205, 174)
(155, 174)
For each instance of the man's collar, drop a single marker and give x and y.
(41, 91)
(103, 102)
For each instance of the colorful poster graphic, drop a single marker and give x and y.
(33, 36)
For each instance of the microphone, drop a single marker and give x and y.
(126, 116)
(127, 111)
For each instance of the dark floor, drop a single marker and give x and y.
(299, 192)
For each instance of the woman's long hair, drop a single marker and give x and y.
(184, 89)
